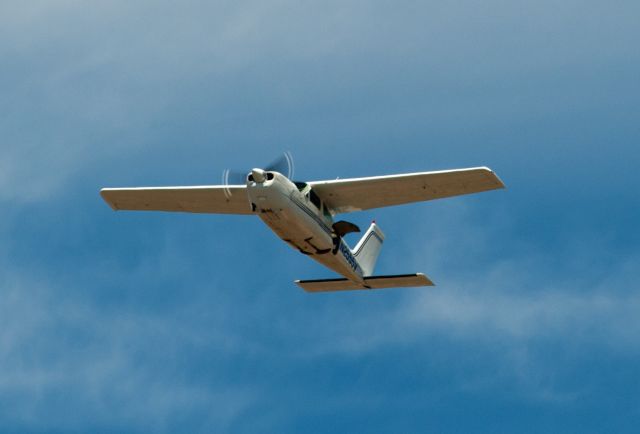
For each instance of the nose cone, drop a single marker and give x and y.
(259, 175)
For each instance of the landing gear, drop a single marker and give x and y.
(318, 251)
(336, 243)
(340, 229)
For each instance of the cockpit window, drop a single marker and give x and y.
(315, 199)
(301, 185)
(325, 211)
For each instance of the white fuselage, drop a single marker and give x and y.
(306, 226)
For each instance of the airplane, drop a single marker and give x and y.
(302, 213)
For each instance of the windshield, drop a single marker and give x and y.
(315, 199)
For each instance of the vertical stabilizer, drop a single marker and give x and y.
(368, 249)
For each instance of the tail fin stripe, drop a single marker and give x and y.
(368, 236)
(368, 248)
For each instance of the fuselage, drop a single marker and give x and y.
(300, 218)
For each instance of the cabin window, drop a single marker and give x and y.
(325, 211)
(315, 199)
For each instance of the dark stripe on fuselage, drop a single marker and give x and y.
(343, 247)
(313, 215)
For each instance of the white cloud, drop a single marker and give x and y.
(602, 315)
(67, 364)
(522, 293)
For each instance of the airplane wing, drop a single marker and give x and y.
(198, 199)
(356, 194)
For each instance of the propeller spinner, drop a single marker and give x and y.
(283, 164)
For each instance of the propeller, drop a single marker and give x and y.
(283, 164)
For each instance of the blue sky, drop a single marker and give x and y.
(134, 322)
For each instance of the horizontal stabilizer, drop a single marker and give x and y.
(372, 282)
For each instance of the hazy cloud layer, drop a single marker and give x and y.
(84, 83)
(143, 364)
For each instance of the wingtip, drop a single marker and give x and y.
(103, 195)
(499, 183)
(429, 281)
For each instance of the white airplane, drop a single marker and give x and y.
(302, 213)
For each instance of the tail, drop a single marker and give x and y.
(366, 253)
(368, 249)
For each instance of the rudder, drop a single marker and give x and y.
(368, 249)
